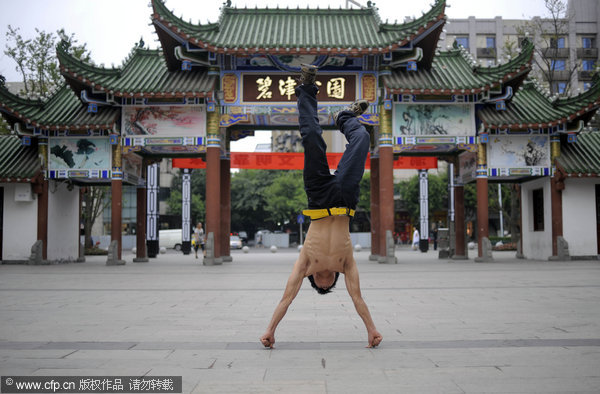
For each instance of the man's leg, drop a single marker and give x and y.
(352, 165)
(317, 177)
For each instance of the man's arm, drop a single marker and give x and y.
(353, 286)
(291, 291)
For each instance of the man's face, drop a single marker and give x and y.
(325, 279)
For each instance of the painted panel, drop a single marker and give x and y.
(132, 168)
(75, 154)
(164, 121)
(433, 120)
(518, 151)
(467, 167)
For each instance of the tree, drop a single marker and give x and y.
(248, 201)
(547, 34)
(437, 192)
(94, 203)
(198, 195)
(35, 58)
(285, 197)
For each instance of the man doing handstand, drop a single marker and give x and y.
(332, 199)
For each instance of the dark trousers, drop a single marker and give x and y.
(323, 189)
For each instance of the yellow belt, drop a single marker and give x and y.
(315, 214)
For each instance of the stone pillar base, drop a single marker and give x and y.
(563, 250)
(373, 257)
(140, 259)
(212, 261)
(486, 251)
(37, 251)
(113, 254)
(227, 259)
(457, 257)
(387, 260)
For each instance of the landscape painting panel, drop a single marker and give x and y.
(433, 120)
(79, 153)
(517, 151)
(163, 121)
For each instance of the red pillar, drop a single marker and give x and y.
(116, 187)
(140, 232)
(386, 194)
(482, 213)
(225, 208)
(459, 222)
(213, 196)
(556, 187)
(42, 225)
(375, 207)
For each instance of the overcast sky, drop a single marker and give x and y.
(110, 28)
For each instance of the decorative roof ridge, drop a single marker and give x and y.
(437, 9)
(524, 57)
(40, 101)
(330, 11)
(159, 7)
(68, 61)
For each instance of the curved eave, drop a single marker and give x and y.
(75, 117)
(91, 83)
(172, 23)
(517, 75)
(67, 60)
(582, 112)
(18, 163)
(581, 158)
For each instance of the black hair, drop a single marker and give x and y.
(320, 290)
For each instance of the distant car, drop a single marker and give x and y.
(244, 236)
(170, 239)
(235, 242)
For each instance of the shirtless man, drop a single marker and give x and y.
(332, 199)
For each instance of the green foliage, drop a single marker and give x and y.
(409, 193)
(285, 197)
(248, 203)
(35, 58)
(4, 127)
(198, 194)
(364, 198)
(198, 208)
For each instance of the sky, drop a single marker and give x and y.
(110, 28)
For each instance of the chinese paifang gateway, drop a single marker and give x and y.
(209, 83)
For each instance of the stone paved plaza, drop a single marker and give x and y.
(510, 326)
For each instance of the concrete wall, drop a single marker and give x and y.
(579, 216)
(20, 225)
(63, 222)
(536, 244)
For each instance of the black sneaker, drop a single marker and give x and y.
(308, 74)
(357, 108)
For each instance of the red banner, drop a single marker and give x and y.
(295, 161)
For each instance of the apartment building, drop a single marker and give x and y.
(573, 54)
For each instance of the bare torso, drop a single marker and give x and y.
(327, 245)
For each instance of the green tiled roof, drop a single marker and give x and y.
(17, 161)
(453, 71)
(143, 74)
(298, 30)
(581, 157)
(63, 110)
(531, 107)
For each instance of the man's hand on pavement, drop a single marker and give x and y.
(375, 338)
(268, 340)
